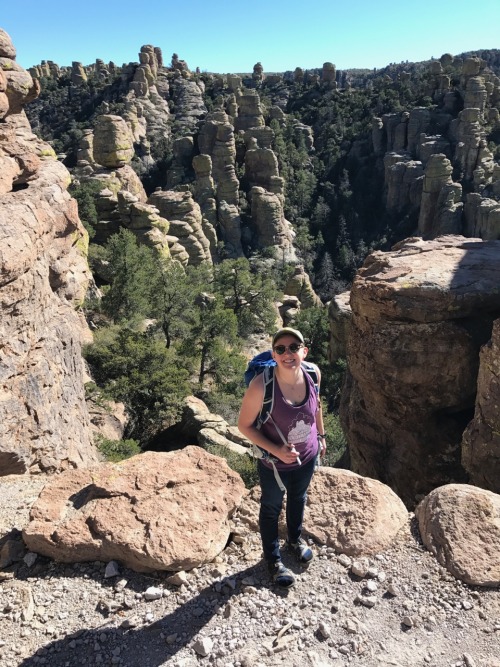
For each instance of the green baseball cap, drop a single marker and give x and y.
(288, 331)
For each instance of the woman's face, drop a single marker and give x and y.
(289, 358)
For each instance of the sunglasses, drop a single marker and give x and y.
(293, 348)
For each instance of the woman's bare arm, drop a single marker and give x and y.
(250, 409)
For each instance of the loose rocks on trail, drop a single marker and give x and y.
(397, 608)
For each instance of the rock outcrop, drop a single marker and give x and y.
(113, 142)
(261, 166)
(230, 228)
(273, 230)
(187, 96)
(198, 424)
(249, 111)
(339, 317)
(44, 422)
(481, 441)
(299, 285)
(441, 204)
(186, 223)
(420, 314)
(404, 181)
(216, 139)
(150, 512)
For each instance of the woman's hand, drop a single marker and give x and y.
(322, 447)
(287, 454)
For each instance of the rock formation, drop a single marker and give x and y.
(261, 166)
(459, 524)
(339, 317)
(371, 518)
(258, 73)
(145, 222)
(204, 188)
(481, 441)
(299, 285)
(78, 74)
(420, 314)
(441, 206)
(404, 183)
(230, 228)
(113, 143)
(450, 141)
(482, 217)
(272, 228)
(199, 425)
(44, 423)
(187, 96)
(186, 223)
(249, 111)
(125, 512)
(183, 150)
(216, 139)
(329, 74)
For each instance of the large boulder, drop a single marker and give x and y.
(154, 511)
(355, 515)
(420, 314)
(460, 525)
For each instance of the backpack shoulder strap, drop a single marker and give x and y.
(268, 379)
(312, 370)
(268, 399)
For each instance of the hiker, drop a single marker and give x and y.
(293, 436)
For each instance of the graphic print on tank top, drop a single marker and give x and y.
(300, 429)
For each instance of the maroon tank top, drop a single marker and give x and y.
(296, 422)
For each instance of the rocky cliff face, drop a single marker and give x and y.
(420, 315)
(481, 440)
(44, 423)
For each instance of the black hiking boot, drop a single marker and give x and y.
(302, 551)
(281, 575)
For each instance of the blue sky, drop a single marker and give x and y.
(231, 36)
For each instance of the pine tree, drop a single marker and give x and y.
(133, 272)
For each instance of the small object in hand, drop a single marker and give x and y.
(297, 460)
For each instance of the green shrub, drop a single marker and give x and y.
(245, 466)
(224, 404)
(85, 194)
(336, 442)
(117, 450)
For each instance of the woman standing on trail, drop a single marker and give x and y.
(293, 435)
